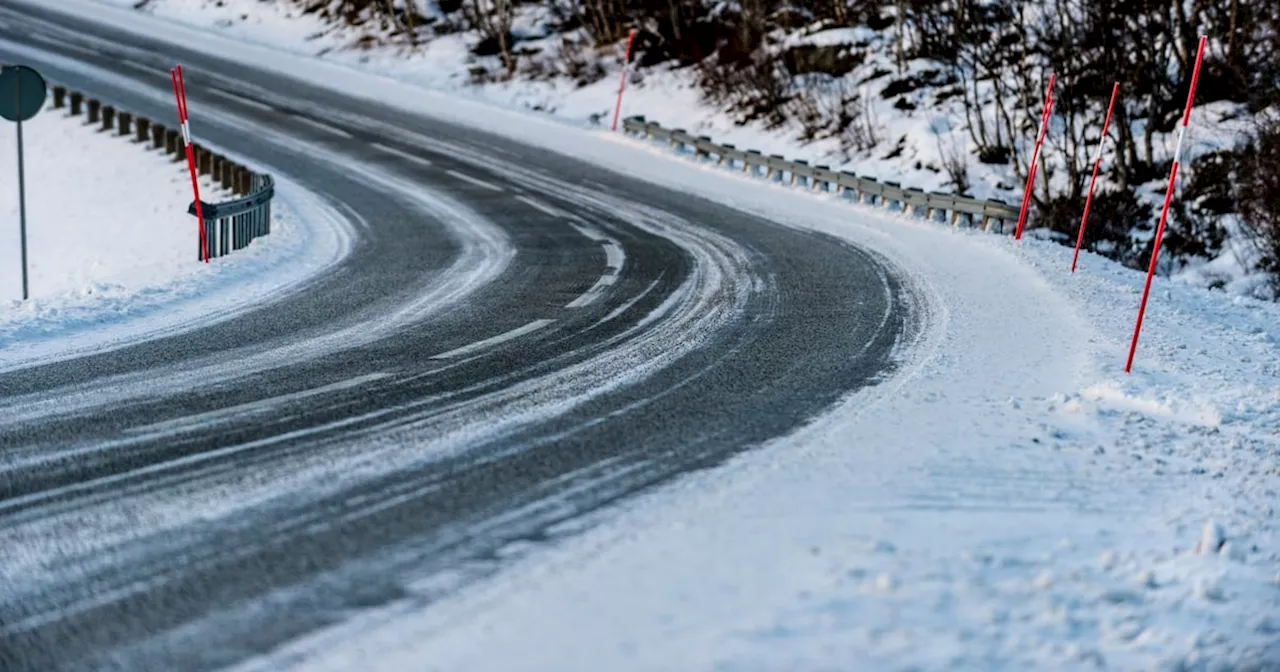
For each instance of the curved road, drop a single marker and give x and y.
(516, 340)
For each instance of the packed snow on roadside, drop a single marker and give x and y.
(1010, 499)
(111, 249)
(106, 216)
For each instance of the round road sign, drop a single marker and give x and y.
(22, 92)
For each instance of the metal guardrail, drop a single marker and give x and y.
(232, 225)
(823, 178)
(229, 225)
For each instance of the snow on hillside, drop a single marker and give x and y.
(909, 137)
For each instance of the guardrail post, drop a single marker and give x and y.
(228, 174)
(95, 109)
(912, 207)
(173, 144)
(205, 160)
(721, 159)
(144, 129)
(59, 97)
(126, 123)
(108, 117)
(846, 182)
(821, 183)
(748, 165)
(77, 99)
(157, 136)
(636, 124)
(795, 178)
(872, 197)
(774, 170)
(698, 150)
(986, 226)
(838, 185)
(887, 201)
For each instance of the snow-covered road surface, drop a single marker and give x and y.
(1009, 499)
(199, 499)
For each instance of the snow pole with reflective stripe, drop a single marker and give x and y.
(622, 86)
(1164, 213)
(1097, 162)
(180, 94)
(1035, 157)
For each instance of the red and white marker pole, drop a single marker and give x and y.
(1164, 213)
(1097, 162)
(1035, 157)
(622, 86)
(180, 93)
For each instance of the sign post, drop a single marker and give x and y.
(22, 94)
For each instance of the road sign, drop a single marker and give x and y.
(22, 92)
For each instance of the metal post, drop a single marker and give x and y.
(22, 201)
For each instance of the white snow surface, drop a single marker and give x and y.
(1010, 499)
(112, 251)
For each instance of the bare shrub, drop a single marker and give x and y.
(755, 87)
(831, 107)
(1257, 195)
(955, 160)
(862, 129)
(580, 63)
(492, 20)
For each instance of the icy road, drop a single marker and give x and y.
(514, 339)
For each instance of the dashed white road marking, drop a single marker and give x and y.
(613, 255)
(591, 233)
(320, 125)
(614, 258)
(229, 95)
(539, 205)
(490, 342)
(145, 67)
(588, 297)
(403, 154)
(474, 180)
(75, 47)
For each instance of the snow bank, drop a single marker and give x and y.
(105, 216)
(112, 250)
(1010, 500)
